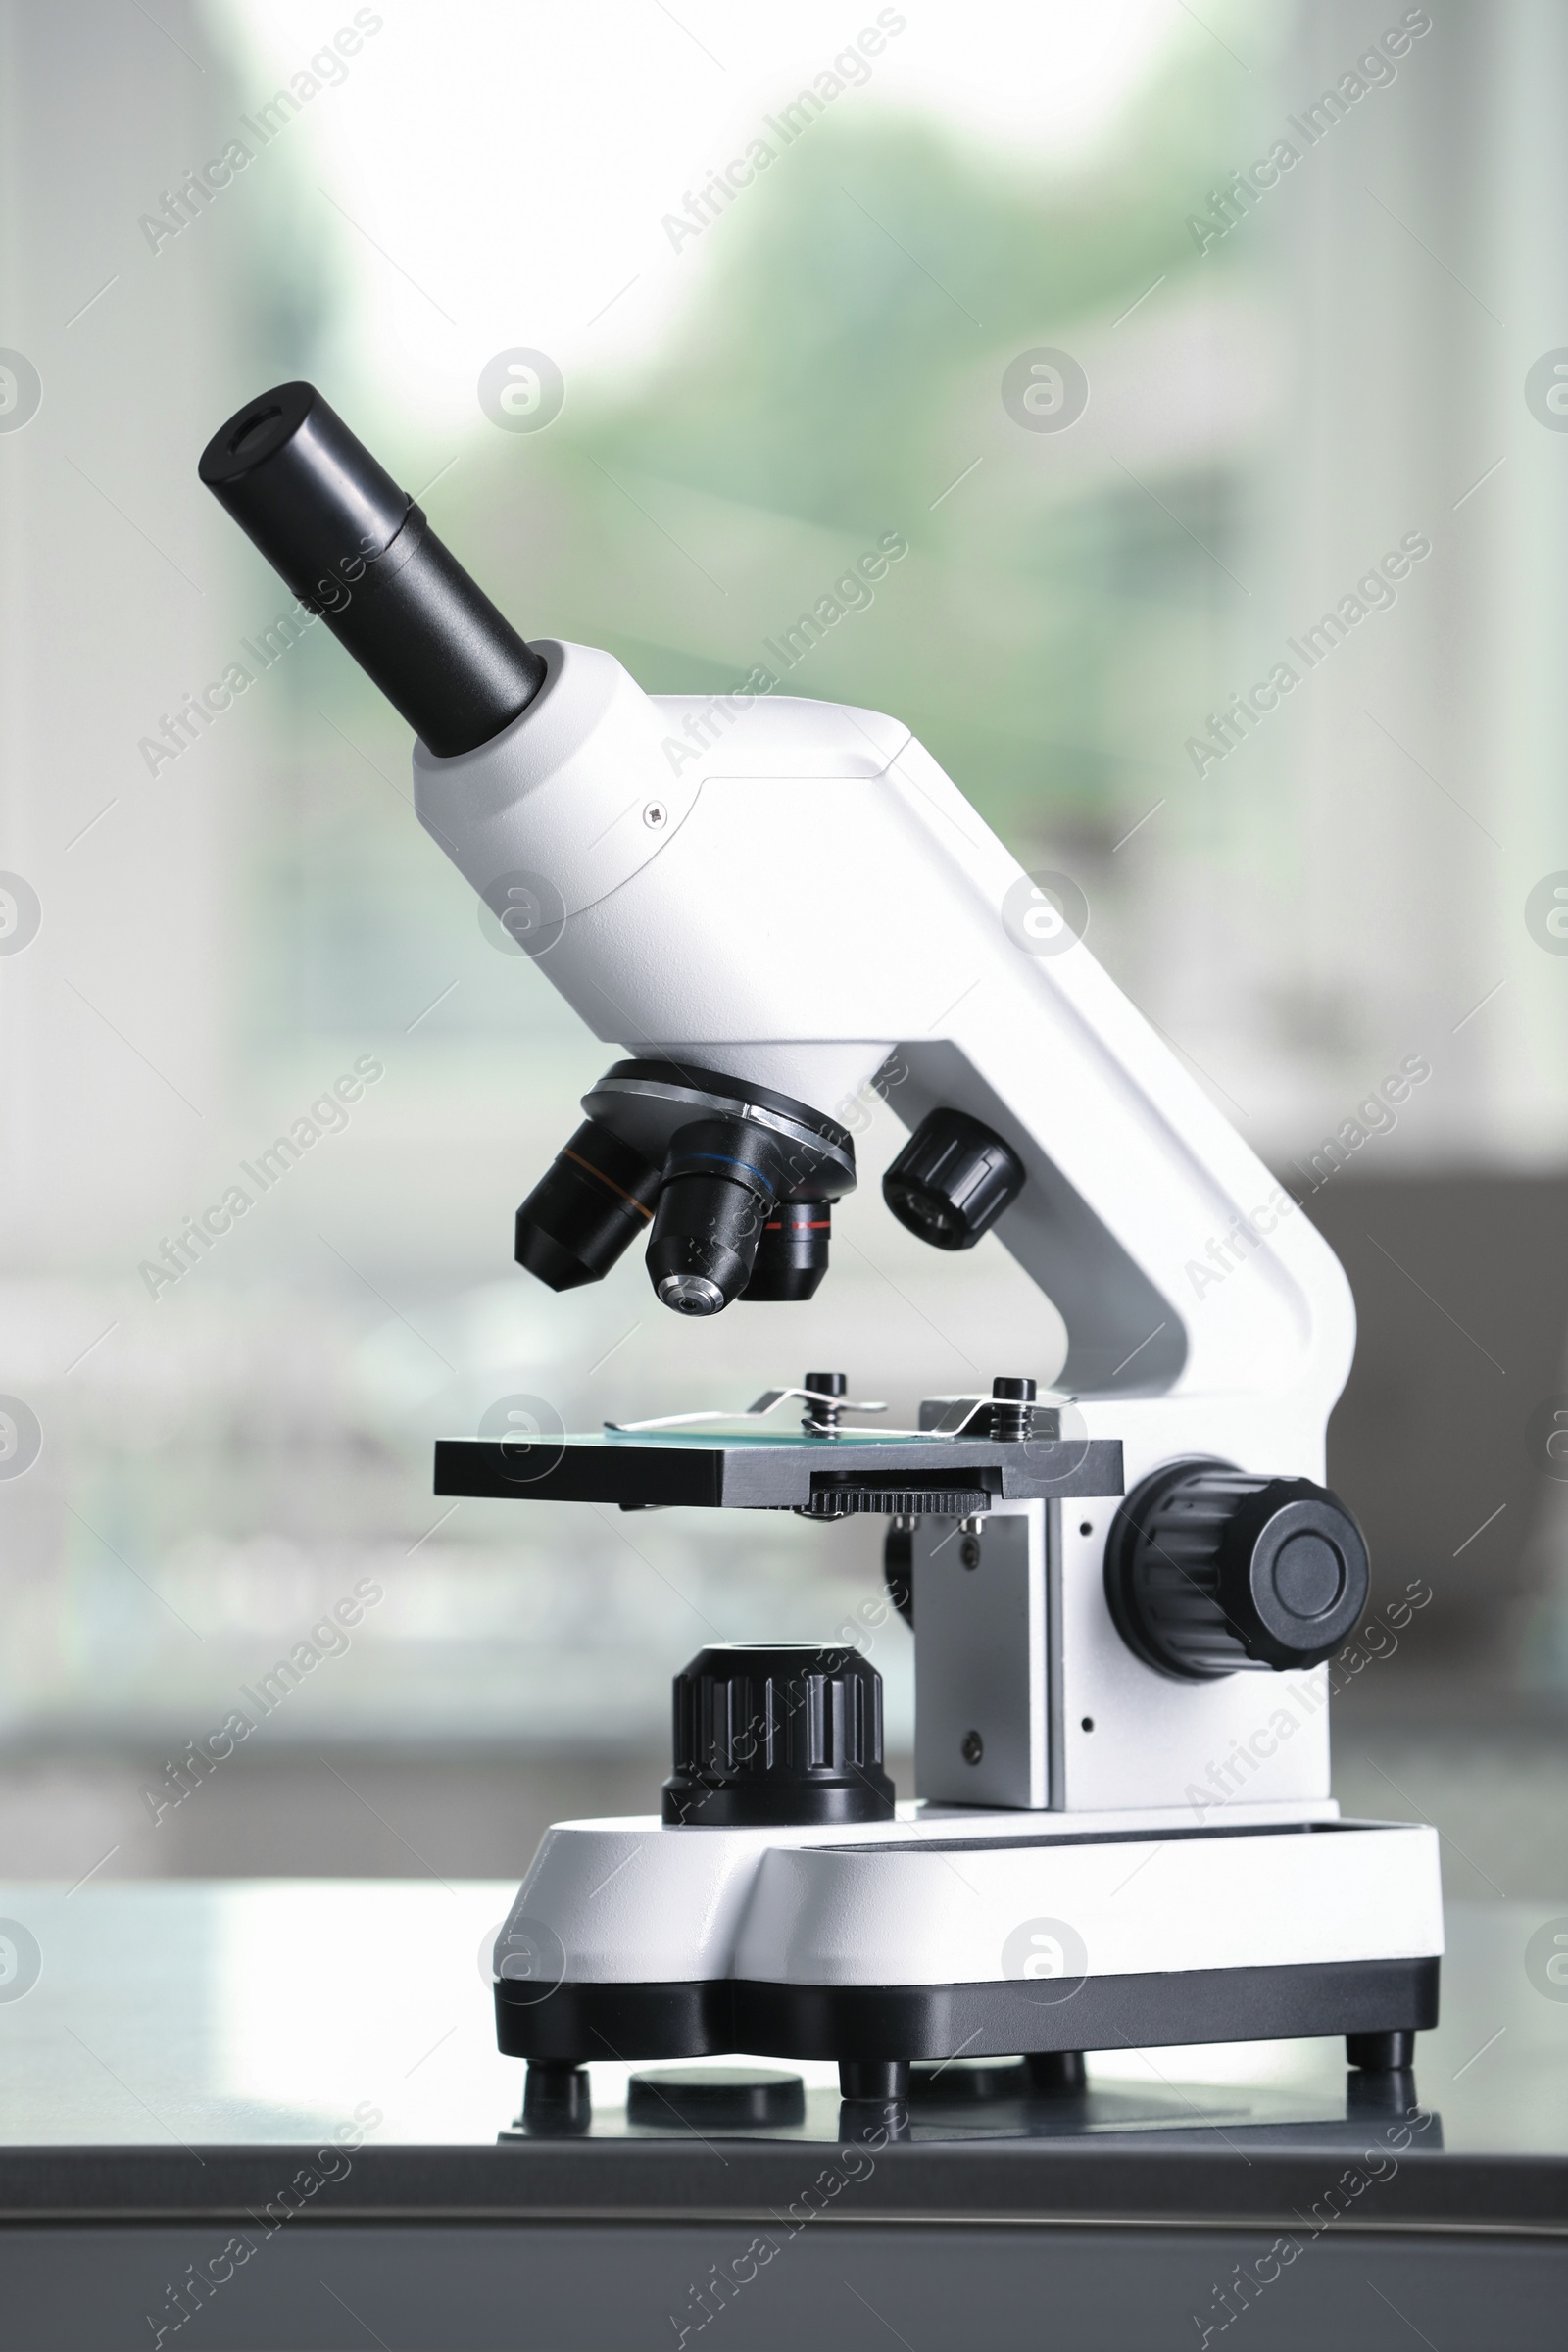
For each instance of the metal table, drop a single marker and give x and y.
(269, 2114)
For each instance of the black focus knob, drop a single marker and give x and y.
(1211, 1570)
(953, 1180)
(765, 1737)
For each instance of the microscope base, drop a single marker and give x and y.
(1370, 2002)
(939, 1937)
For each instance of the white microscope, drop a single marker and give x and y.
(1123, 1593)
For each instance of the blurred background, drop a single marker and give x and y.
(661, 411)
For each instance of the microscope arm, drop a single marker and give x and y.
(795, 893)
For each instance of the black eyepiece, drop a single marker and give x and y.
(356, 548)
(589, 1208)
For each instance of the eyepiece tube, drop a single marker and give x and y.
(356, 548)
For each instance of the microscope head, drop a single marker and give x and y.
(729, 1180)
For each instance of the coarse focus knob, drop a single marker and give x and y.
(789, 1732)
(953, 1180)
(1210, 1571)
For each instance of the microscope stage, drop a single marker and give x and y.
(826, 1478)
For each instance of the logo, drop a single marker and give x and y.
(1546, 913)
(1047, 1959)
(1546, 1438)
(529, 1959)
(530, 1434)
(20, 1961)
(1044, 913)
(1056, 1459)
(1045, 390)
(522, 913)
(21, 1437)
(521, 390)
(1545, 1959)
(19, 915)
(1547, 390)
(21, 391)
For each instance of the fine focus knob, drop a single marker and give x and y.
(1211, 1570)
(953, 1180)
(789, 1732)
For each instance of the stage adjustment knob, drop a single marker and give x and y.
(1211, 1570)
(784, 1734)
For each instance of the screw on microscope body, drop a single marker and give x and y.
(655, 816)
(969, 1553)
(973, 1749)
(821, 1416)
(1011, 1409)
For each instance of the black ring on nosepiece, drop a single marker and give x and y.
(647, 1102)
(358, 552)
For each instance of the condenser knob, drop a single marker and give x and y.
(782, 1733)
(1211, 1570)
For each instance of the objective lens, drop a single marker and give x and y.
(792, 1254)
(719, 1187)
(692, 1295)
(595, 1199)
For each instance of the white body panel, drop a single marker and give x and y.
(634, 1902)
(824, 1916)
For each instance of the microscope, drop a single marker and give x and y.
(1123, 1590)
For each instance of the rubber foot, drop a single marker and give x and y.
(555, 2101)
(1052, 2073)
(1387, 2053)
(884, 2079)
